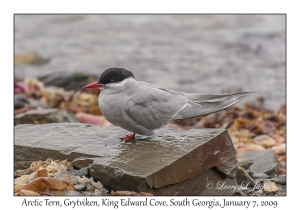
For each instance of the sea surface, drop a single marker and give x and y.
(188, 53)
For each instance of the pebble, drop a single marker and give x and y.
(283, 164)
(97, 192)
(279, 180)
(65, 192)
(245, 163)
(281, 193)
(279, 149)
(79, 187)
(90, 187)
(20, 101)
(86, 193)
(41, 116)
(260, 176)
(270, 187)
(73, 193)
(260, 192)
(21, 172)
(22, 165)
(260, 180)
(81, 172)
(265, 141)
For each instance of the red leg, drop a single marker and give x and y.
(129, 137)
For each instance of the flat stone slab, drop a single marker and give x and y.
(265, 161)
(211, 183)
(169, 158)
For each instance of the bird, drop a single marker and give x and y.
(141, 107)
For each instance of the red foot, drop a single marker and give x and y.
(129, 137)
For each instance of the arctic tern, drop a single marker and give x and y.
(141, 107)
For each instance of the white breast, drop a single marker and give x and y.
(112, 102)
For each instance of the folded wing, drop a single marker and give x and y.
(206, 104)
(152, 107)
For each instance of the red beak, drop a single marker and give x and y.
(92, 85)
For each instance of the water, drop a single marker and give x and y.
(189, 53)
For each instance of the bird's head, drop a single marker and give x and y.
(109, 76)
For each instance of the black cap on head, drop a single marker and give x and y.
(114, 75)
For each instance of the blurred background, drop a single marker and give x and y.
(190, 53)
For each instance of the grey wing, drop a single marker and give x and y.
(206, 104)
(209, 98)
(152, 107)
(197, 98)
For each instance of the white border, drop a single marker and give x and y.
(8, 8)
